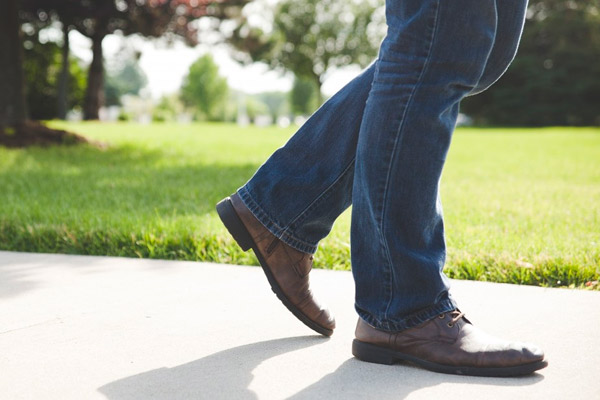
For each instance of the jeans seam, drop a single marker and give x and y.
(476, 89)
(322, 197)
(302, 214)
(395, 147)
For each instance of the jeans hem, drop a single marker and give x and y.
(410, 321)
(272, 226)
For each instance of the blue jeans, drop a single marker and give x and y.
(380, 144)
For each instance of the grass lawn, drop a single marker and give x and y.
(521, 205)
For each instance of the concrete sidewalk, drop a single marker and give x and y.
(75, 327)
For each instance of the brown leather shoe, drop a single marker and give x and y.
(286, 268)
(449, 344)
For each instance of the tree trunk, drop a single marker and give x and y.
(63, 83)
(94, 95)
(13, 109)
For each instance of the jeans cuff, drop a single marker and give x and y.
(411, 320)
(273, 227)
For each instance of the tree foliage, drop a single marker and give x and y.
(15, 128)
(308, 37)
(13, 110)
(204, 89)
(98, 18)
(303, 96)
(42, 66)
(555, 78)
(125, 78)
(169, 107)
(276, 102)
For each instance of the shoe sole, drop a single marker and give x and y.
(240, 234)
(380, 355)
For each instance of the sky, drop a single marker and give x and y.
(166, 66)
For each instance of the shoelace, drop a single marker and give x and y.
(457, 316)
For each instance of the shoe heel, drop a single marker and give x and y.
(234, 224)
(371, 353)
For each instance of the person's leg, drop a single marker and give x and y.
(293, 199)
(435, 53)
(305, 185)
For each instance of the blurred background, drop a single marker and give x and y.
(262, 61)
(177, 102)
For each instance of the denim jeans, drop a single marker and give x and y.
(380, 144)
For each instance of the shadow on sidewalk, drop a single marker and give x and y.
(223, 375)
(356, 379)
(228, 374)
(20, 272)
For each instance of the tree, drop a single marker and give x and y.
(127, 78)
(63, 83)
(309, 37)
(12, 86)
(98, 18)
(303, 96)
(15, 129)
(254, 107)
(276, 102)
(169, 108)
(203, 88)
(555, 78)
(42, 69)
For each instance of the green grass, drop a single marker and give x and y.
(521, 205)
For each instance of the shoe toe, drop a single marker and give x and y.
(532, 353)
(326, 320)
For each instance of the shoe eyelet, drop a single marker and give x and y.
(441, 316)
(450, 324)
